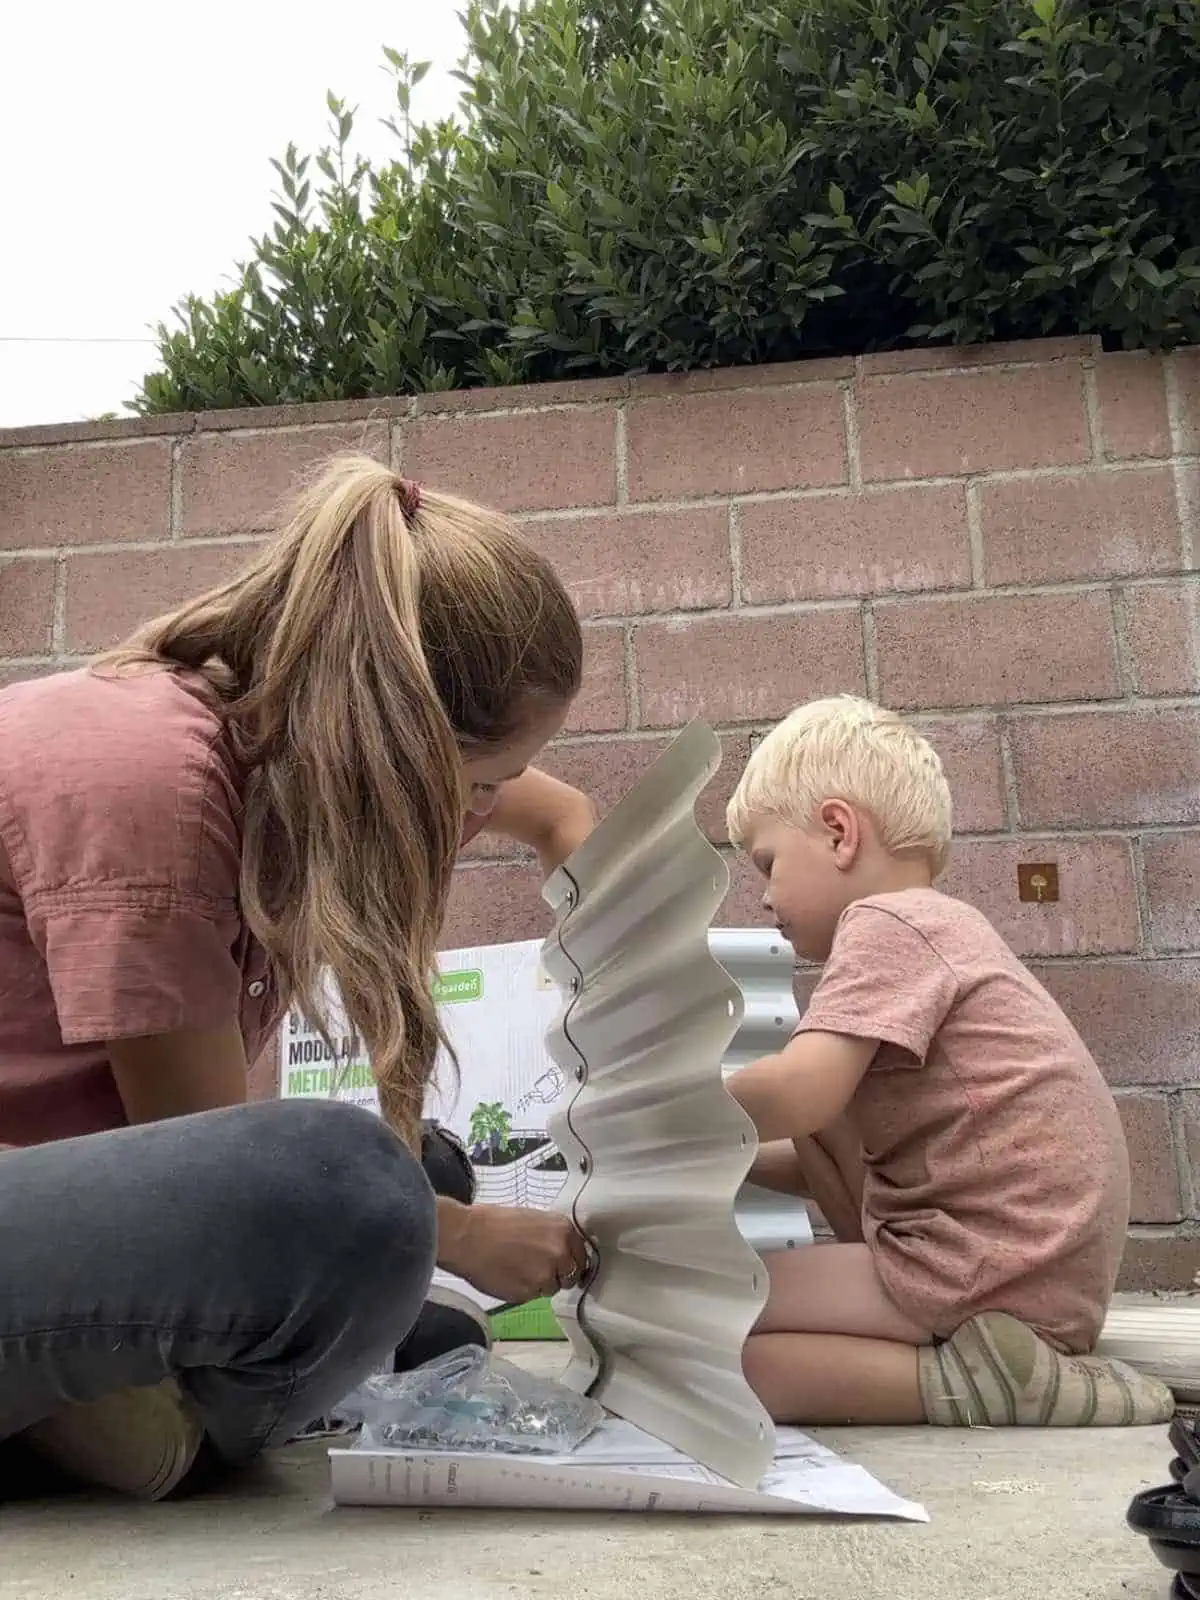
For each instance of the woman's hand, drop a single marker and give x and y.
(513, 1253)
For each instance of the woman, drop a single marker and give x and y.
(269, 783)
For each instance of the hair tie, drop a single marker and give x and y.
(408, 494)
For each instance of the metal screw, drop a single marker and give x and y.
(580, 1073)
(584, 1164)
(574, 985)
(570, 897)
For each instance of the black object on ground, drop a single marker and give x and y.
(443, 1327)
(1169, 1516)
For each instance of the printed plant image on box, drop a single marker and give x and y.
(496, 1004)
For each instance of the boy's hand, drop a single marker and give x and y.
(513, 1253)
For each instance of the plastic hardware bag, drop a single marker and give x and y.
(472, 1400)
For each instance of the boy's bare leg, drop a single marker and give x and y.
(831, 1347)
(830, 1379)
(825, 1168)
(833, 1290)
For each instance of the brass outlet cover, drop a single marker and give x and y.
(1037, 882)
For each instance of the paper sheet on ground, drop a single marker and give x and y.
(619, 1468)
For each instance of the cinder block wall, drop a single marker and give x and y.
(1001, 541)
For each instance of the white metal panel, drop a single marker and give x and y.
(763, 965)
(656, 1150)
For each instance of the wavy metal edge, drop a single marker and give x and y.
(657, 1332)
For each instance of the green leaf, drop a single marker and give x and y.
(634, 187)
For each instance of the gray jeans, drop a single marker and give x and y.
(267, 1256)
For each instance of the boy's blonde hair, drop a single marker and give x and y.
(847, 749)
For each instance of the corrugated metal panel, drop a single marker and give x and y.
(762, 964)
(655, 1149)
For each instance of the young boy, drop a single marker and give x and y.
(938, 1107)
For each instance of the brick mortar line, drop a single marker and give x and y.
(1187, 506)
(870, 650)
(1184, 1179)
(133, 546)
(621, 456)
(633, 694)
(1008, 778)
(853, 443)
(1122, 649)
(1141, 895)
(58, 607)
(1092, 412)
(594, 512)
(736, 587)
(976, 550)
(845, 491)
(1030, 711)
(967, 368)
(396, 444)
(1185, 488)
(409, 407)
(891, 598)
(175, 492)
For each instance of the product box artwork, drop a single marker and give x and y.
(496, 1004)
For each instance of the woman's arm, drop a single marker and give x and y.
(550, 816)
(175, 1074)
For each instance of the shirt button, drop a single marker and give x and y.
(257, 989)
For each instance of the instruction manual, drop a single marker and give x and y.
(620, 1468)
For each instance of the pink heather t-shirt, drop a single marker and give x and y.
(996, 1172)
(120, 845)
(120, 855)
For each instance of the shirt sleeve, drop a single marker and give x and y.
(126, 861)
(884, 981)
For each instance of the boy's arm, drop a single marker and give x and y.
(777, 1167)
(801, 1090)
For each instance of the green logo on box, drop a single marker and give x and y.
(453, 988)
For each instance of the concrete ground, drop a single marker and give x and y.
(1013, 1515)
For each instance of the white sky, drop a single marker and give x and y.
(137, 137)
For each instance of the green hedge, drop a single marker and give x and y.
(642, 186)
